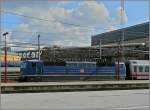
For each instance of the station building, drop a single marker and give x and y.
(133, 34)
(135, 47)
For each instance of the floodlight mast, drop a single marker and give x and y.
(121, 41)
(122, 30)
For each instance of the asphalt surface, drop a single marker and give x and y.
(89, 100)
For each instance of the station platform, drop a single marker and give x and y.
(29, 87)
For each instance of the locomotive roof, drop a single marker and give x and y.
(79, 62)
(32, 61)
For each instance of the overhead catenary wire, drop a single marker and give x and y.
(48, 20)
(21, 43)
(27, 43)
(83, 27)
(72, 24)
(31, 32)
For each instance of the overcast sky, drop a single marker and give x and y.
(89, 18)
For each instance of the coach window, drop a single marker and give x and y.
(147, 69)
(135, 68)
(140, 68)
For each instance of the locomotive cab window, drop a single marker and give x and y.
(147, 69)
(33, 65)
(140, 68)
(23, 65)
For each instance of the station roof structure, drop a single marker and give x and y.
(133, 32)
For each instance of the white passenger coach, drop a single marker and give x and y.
(138, 69)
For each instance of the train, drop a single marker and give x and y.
(13, 63)
(137, 69)
(13, 66)
(35, 70)
(12, 60)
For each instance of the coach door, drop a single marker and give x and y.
(134, 75)
(141, 71)
(33, 68)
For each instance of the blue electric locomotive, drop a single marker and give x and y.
(34, 70)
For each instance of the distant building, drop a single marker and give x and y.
(59, 54)
(136, 42)
(134, 34)
(8, 49)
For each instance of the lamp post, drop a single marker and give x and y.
(39, 58)
(0, 65)
(149, 49)
(5, 74)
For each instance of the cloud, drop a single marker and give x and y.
(91, 13)
(56, 31)
(23, 27)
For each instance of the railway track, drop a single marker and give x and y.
(13, 73)
(11, 76)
